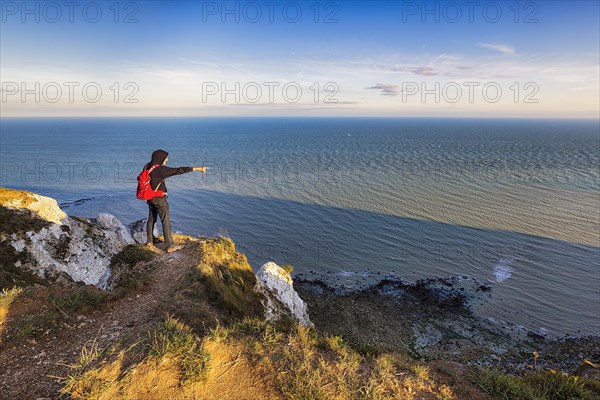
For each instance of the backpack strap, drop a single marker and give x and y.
(149, 172)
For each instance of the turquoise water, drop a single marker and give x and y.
(515, 203)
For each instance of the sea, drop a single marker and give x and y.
(511, 203)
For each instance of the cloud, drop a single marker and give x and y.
(423, 71)
(416, 70)
(386, 89)
(502, 48)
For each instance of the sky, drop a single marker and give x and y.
(300, 58)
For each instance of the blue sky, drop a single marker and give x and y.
(392, 58)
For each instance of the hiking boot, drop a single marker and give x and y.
(174, 248)
(151, 247)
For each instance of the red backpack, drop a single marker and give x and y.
(144, 189)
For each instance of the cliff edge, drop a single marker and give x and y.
(86, 314)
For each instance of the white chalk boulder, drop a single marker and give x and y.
(276, 285)
(112, 223)
(137, 230)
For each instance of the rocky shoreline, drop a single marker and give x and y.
(432, 320)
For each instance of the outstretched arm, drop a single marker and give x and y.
(168, 171)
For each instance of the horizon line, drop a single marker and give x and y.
(596, 118)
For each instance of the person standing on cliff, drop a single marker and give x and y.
(159, 206)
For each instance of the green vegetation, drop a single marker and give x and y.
(89, 355)
(228, 278)
(182, 360)
(210, 335)
(130, 270)
(10, 274)
(173, 338)
(16, 222)
(7, 296)
(53, 306)
(307, 365)
(296, 364)
(19, 221)
(131, 255)
(84, 298)
(58, 304)
(544, 385)
(171, 352)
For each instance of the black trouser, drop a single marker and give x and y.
(159, 207)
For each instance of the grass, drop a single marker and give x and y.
(18, 221)
(228, 277)
(173, 338)
(290, 361)
(131, 255)
(288, 268)
(543, 385)
(171, 354)
(129, 271)
(80, 371)
(10, 195)
(52, 307)
(178, 358)
(308, 365)
(62, 304)
(253, 329)
(421, 371)
(84, 298)
(7, 296)
(295, 364)
(10, 274)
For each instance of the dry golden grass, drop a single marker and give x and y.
(7, 296)
(244, 356)
(165, 363)
(547, 385)
(250, 359)
(10, 196)
(302, 364)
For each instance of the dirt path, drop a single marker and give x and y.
(30, 370)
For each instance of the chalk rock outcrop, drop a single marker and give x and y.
(137, 230)
(112, 224)
(276, 285)
(44, 207)
(37, 236)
